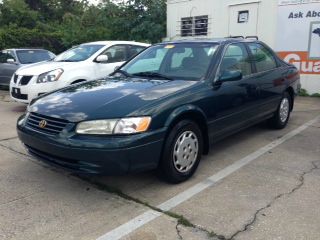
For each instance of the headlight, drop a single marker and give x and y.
(50, 76)
(114, 126)
(132, 125)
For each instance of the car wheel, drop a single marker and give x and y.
(182, 152)
(282, 115)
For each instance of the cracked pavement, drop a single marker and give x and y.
(276, 196)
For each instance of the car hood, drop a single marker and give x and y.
(105, 99)
(41, 67)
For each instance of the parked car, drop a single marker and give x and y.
(12, 59)
(162, 109)
(81, 63)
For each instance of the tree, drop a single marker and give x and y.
(139, 20)
(60, 24)
(17, 12)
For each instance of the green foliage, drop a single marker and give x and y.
(17, 12)
(303, 92)
(14, 37)
(60, 24)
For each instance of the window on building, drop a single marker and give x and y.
(201, 25)
(186, 26)
(262, 57)
(194, 26)
(243, 16)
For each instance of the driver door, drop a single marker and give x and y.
(235, 102)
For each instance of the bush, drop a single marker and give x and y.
(303, 92)
(14, 37)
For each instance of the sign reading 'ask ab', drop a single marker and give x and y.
(298, 34)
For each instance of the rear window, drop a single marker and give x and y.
(33, 56)
(262, 57)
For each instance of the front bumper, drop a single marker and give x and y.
(105, 155)
(25, 93)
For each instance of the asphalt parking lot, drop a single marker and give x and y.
(258, 184)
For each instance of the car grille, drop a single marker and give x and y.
(52, 125)
(19, 96)
(25, 80)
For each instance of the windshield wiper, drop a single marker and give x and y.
(66, 61)
(152, 75)
(122, 72)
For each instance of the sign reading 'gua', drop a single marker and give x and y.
(298, 34)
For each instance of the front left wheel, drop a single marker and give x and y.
(182, 152)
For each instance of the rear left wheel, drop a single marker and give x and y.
(282, 115)
(182, 152)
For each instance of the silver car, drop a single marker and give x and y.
(12, 59)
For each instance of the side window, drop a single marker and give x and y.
(262, 57)
(116, 53)
(134, 50)
(236, 58)
(11, 55)
(5, 55)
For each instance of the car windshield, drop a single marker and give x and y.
(79, 53)
(33, 56)
(185, 61)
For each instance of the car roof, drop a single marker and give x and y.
(116, 42)
(212, 40)
(27, 49)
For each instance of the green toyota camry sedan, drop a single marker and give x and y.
(162, 109)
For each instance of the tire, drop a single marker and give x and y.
(282, 115)
(184, 142)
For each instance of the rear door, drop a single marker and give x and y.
(269, 75)
(236, 103)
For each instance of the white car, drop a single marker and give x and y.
(85, 62)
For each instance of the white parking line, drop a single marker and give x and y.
(150, 215)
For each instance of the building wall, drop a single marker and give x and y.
(218, 12)
(221, 24)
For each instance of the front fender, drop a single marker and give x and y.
(182, 110)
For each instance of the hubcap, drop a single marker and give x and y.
(284, 109)
(185, 151)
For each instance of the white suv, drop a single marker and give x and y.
(87, 61)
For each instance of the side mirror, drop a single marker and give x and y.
(230, 75)
(116, 68)
(11, 60)
(102, 59)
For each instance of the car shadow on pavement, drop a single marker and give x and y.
(19, 108)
